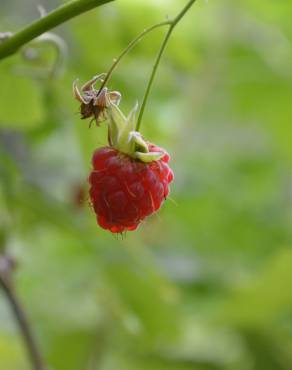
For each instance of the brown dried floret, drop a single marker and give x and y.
(94, 102)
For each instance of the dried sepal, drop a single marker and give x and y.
(93, 103)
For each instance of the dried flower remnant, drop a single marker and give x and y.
(94, 102)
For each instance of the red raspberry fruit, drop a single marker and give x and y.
(124, 190)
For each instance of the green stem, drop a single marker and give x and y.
(129, 47)
(7, 285)
(56, 17)
(172, 25)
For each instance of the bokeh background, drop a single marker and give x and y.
(206, 283)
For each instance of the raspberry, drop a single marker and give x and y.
(125, 190)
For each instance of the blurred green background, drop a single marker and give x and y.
(206, 283)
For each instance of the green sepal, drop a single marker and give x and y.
(139, 143)
(126, 141)
(148, 157)
(116, 122)
(122, 134)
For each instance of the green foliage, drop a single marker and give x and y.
(204, 284)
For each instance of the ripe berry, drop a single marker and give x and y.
(125, 190)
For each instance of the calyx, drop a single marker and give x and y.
(101, 105)
(124, 137)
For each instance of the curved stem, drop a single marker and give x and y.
(7, 286)
(51, 20)
(129, 47)
(151, 79)
(172, 25)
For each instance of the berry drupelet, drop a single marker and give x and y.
(124, 190)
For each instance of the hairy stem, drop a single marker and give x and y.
(58, 16)
(6, 283)
(172, 25)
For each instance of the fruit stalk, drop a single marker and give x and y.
(129, 47)
(172, 25)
